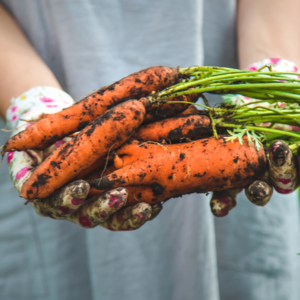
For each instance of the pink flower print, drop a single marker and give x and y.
(284, 180)
(114, 201)
(295, 128)
(85, 222)
(64, 210)
(51, 105)
(103, 214)
(141, 216)
(46, 99)
(252, 68)
(14, 118)
(22, 173)
(10, 156)
(76, 201)
(13, 109)
(282, 191)
(28, 125)
(295, 69)
(59, 143)
(275, 60)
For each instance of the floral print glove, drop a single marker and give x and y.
(69, 203)
(282, 173)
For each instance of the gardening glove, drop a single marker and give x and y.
(282, 166)
(68, 203)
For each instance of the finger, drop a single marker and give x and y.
(55, 146)
(129, 218)
(222, 202)
(96, 210)
(282, 168)
(259, 192)
(156, 209)
(285, 127)
(266, 178)
(20, 165)
(63, 203)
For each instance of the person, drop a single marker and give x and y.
(184, 253)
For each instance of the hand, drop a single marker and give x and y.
(282, 170)
(69, 203)
(281, 175)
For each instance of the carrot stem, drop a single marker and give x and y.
(213, 125)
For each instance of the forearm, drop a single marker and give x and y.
(21, 68)
(268, 29)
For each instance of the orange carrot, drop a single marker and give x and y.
(191, 110)
(105, 133)
(174, 129)
(139, 193)
(97, 165)
(49, 129)
(174, 170)
(136, 194)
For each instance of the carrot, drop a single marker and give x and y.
(136, 194)
(191, 110)
(174, 129)
(174, 170)
(105, 133)
(49, 129)
(140, 193)
(98, 164)
(162, 111)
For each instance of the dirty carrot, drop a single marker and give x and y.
(139, 193)
(136, 194)
(191, 110)
(174, 129)
(98, 164)
(104, 134)
(49, 129)
(187, 168)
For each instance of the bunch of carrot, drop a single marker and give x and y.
(144, 133)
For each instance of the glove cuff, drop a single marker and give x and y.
(34, 102)
(276, 65)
